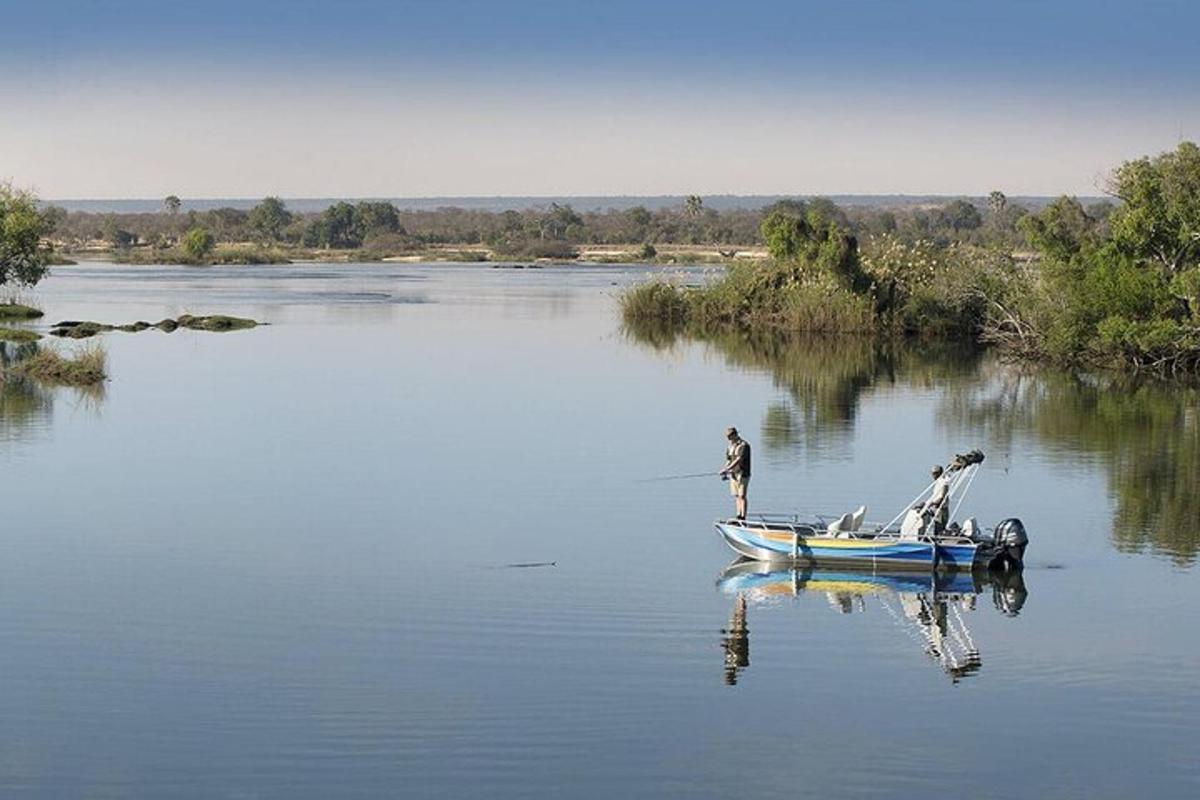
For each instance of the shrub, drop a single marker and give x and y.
(197, 243)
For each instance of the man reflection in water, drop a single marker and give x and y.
(736, 642)
(737, 469)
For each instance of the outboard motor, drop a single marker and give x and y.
(1010, 543)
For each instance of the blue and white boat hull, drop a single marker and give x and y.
(805, 544)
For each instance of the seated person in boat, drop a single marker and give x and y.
(737, 469)
(937, 507)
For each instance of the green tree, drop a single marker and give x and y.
(269, 218)
(961, 216)
(334, 228)
(375, 217)
(785, 234)
(22, 257)
(197, 243)
(997, 201)
(172, 203)
(555, 222)
(693, 205)
(1159, 218)
(1059, 230)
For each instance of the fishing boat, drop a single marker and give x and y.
(914, 539)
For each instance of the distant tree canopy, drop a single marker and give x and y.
(269, 218)
(1061, 229)
(962, 216)
(381, 225)
(172, 203)
(349, 225)
(22, 226)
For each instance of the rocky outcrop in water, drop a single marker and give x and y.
(77, 329)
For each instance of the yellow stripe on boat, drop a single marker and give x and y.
(844, 544)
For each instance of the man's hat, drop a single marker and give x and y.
(731, 431)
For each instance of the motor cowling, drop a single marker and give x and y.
(1010, 542)
(1011, 533)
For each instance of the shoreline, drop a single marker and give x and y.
(247, 254)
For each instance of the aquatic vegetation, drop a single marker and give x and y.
(657, 300)
(13, 311)
(80, 368)
(18, 335)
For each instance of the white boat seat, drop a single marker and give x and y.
(970, 528)
(913, 524)
(856, 518)
(840, 528)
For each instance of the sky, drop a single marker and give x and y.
(409, 98)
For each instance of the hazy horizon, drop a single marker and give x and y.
(133, 99)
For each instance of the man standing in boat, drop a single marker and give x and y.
(737, 469)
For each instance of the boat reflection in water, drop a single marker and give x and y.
(930, 606)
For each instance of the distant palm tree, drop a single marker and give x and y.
(997, 201)
(693, 205)
(172, 203)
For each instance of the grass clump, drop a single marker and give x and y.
(17, 311)
(654, 300)
(84, 367)
(18, 335)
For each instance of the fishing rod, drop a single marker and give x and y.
(680, 477)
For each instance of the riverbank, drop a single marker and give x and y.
(249, 254)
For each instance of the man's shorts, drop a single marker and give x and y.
(738, 488)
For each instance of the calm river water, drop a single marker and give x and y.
(273, 563)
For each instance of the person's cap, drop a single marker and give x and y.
(731, 431)
(936, 469)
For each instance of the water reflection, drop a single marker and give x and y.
(930, 608)
(824, 379)
(26, 405)
(735, 642)
(1147, 436)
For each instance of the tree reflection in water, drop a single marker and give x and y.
(824, 379)
(1146, 436)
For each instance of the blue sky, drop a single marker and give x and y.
(130, 98)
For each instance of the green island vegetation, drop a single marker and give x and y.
(13, 311)
(18, 335)
(1114, 285)
(80, 368)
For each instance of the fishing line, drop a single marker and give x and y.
(680, 477)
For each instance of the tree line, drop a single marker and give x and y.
(553, 230)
